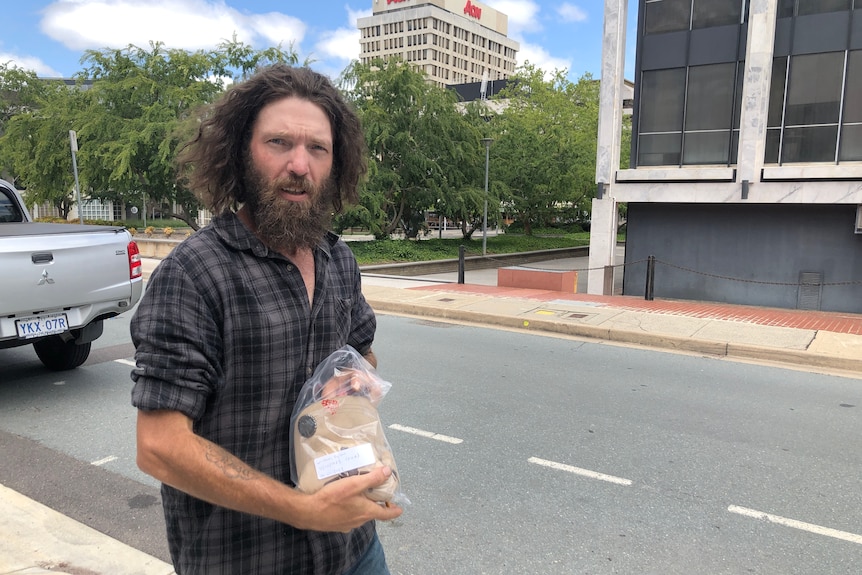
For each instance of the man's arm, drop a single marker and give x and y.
(170, 451)
(371, 358)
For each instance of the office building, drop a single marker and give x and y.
(746, 162)
(452, 41)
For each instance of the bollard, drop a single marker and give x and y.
(650, 278)
(461, 264)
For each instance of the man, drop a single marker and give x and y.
(235, 320)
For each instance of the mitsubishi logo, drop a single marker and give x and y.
(45, 279)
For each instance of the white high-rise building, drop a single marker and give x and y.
(452, 41)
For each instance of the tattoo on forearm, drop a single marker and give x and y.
(232, 467)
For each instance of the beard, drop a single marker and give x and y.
(284, 225)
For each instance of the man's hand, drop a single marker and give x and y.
(342, 505)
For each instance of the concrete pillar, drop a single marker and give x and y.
(603, 241)
(603, 225)
(755, 90)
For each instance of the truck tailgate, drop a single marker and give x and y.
(60, 269)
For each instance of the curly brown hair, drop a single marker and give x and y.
(213, 165)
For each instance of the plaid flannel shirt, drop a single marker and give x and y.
(225, 335)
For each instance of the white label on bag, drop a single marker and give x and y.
(344, 461)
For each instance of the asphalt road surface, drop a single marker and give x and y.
(520, 453)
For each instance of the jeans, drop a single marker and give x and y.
(372, 563)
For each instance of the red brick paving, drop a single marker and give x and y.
(800, 319)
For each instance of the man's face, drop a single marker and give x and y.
(288, 173)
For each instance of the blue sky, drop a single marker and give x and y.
(51, 36)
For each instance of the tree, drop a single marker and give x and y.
(132, 108)
(144, 104)
(35, 150)
(424, 154)
(545, 150)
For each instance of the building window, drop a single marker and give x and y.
(667, 16)
(709, 114)
(691, 120)
(815, 114)
(661, 114)
(709, 13)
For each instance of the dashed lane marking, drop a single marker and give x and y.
(810, 527)
(104, 460)
(428, 434)
(579, 471)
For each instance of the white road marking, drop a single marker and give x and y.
(126, 362)
(810, 527)
(105, 460)
(579, 471)
(428, 434)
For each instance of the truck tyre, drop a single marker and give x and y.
(59, 355)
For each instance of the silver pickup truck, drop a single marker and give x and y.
(59, 282)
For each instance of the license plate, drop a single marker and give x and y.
(41, 325)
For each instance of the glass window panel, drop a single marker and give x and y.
(734, 147)
(773, 139)
(659, 150)
(785, 8)
(661, 100)
(708, 13)
(814, 90)
(776, 92)
(710, 97)
(706, 147)
(807, 7)
(853, 90)
(667, 16)
(809, 144)
(851, 144)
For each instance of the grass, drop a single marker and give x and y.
(395, 251)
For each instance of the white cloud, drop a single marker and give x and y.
(181, 24)
(539, 57)
(354, 15)
(31, 63)
(278, 28)
(342, 44)
(523, 15)
(571, 13)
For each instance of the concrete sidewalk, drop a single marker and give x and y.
(37, 540)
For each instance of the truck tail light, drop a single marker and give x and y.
(136, 269)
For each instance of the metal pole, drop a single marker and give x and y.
(73, 141)
(650, 279)
(487, 142)
(461, 264)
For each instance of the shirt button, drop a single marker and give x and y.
(290, 267)
(308, 371)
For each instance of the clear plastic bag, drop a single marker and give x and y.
(335, 430)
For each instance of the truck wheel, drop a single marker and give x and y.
(59, 355)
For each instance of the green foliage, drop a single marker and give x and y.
(424, 154)
(137, 107)
(392, 251)
(544, 154)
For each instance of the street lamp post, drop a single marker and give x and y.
(487, 142)
(73, 142)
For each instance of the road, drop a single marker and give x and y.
(547, 455)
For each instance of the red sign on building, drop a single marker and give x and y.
(471, 9)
